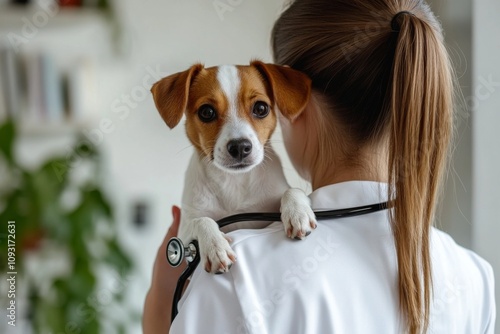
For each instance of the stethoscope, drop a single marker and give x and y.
(177, 252)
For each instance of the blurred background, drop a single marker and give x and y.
(89, 171)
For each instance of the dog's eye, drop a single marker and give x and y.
(260, 109)
(207, 113)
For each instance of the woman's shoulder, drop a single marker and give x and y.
(447, 252)
(463, 286)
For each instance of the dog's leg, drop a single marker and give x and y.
(296, 214)
(216, 254)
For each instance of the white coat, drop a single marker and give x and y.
(340, 279)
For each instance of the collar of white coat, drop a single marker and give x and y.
(348, 194)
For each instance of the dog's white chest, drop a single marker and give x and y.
(212, 192)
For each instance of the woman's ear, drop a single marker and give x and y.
(291, 88)
(171, 94)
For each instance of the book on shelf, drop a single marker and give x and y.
(52, 90)
(33, 112)
(10, 75)
(45, 99)
(81, 90)
(3, 102)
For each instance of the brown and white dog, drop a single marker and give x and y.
(230, 116)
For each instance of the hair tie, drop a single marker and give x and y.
(394, 24)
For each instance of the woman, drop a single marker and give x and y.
(377, 128)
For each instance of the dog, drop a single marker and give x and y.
(230, 116)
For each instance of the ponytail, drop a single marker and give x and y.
(419, 134)
(385, 80)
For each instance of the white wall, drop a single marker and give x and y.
(455, 214)
(486, 137)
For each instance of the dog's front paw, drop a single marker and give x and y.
(296, 214)
(217, 256)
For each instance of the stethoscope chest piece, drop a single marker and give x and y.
(176, 252)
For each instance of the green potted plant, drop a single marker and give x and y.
(63, 219)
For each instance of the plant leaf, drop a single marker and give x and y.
(7, 135)
(101, 202)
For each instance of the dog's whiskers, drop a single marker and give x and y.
(185, 148)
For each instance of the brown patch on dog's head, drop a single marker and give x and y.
(290, 88)
(254, 90)
(205, 91)
(171, 94)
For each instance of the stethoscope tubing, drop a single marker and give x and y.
(320, 215)
(181, 282)
(269, 217)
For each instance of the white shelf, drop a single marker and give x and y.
(66, 35)
(63, 128)
(14, 17)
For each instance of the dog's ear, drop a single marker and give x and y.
(171, 94)
(291, 88)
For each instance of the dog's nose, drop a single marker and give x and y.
(239, 148)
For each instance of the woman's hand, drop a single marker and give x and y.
(158, 304)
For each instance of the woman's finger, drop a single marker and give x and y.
(174, 228)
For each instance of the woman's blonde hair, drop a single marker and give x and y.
(386, 76)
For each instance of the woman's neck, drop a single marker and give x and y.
(334, 159)
(369, 165)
